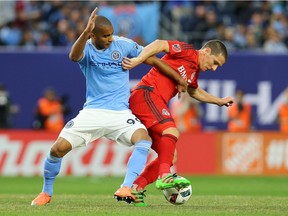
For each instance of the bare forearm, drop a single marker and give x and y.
(153, 48)
(203, 96)
(156, 46)
(164, 68)
(77, 49)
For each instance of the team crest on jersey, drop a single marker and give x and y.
(165, 112)
(176, 48)
(69, 124)
(116, 55)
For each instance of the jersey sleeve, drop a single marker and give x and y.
(133, 49)
(136, 50)
(179, 48)
(193, 80)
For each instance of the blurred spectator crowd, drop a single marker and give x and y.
(42, 24)
(242, 25)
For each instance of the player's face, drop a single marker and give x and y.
(210, 62)
(103, 38)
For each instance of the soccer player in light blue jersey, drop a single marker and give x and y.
(106, 111)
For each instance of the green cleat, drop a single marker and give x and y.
(139, 198)
(171, 181)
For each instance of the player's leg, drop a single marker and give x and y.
(52, 165)
(150, 174)
(69, 138)
(126, 129)
(166, 148)
(151, 170)
(166, 154)
(142, 143)
(136, 163)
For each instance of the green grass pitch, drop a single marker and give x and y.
(212, 195)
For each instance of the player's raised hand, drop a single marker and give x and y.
(91, 22)
(129, 63)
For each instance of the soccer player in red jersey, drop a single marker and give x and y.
(149, 100)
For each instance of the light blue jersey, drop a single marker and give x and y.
(107, 83)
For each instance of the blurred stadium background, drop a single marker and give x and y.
(35, 39)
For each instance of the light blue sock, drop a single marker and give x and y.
(137, 161)
(52, 167)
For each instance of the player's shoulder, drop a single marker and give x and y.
(179, 46)
(121, 39)
(89, 44)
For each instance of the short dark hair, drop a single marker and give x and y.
(217, 48)
(100, 22)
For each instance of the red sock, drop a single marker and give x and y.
(149, 175)
(166, 149)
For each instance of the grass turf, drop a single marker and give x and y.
(212, 195)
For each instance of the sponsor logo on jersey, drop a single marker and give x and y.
(182, 72)
(106, 65)
(176, 48)
(92, 63)
(116, 55)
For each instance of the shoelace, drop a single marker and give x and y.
(139, 196)
(169, 177)
(174, 175)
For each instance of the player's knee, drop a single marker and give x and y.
(173, 131)
(60, 148)
(140, 134)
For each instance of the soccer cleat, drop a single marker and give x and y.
(170, 181)
(41, 200)
(139, 198)
(124, 194)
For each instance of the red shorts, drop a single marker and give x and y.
(151, 109)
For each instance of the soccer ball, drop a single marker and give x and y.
(178, 196)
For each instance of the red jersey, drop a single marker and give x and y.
(183, 59)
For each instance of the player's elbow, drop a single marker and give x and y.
(74, 58)
(152, 60)
(162, 45)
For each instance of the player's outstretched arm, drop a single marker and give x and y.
(203, 96)
(77, 49)
(151, 49)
